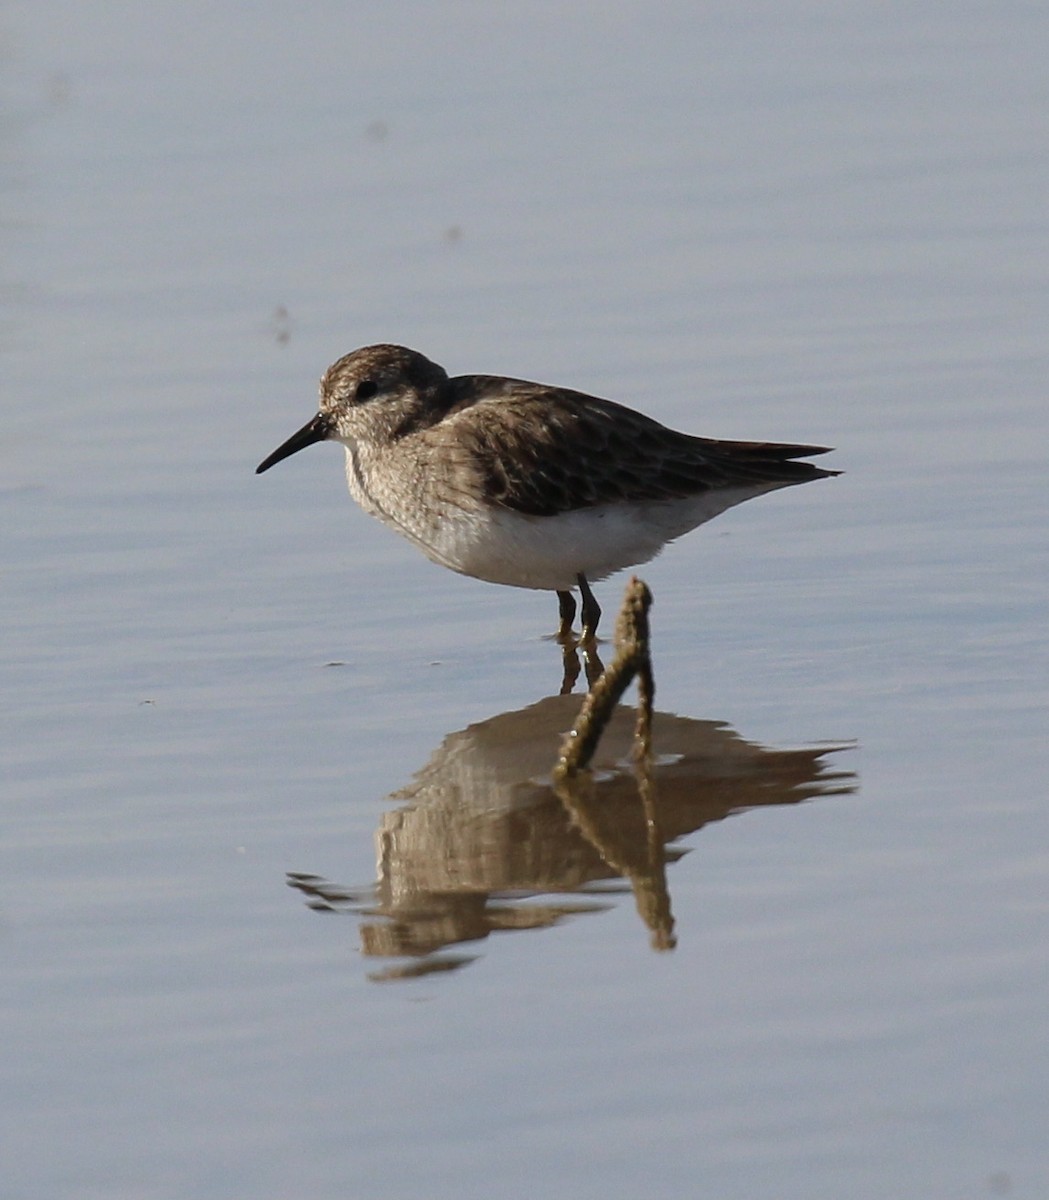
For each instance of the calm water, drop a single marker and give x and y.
(794, 224)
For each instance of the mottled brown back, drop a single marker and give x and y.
(543, 450)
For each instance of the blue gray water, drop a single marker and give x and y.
(794, 223)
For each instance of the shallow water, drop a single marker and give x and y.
(791, 225)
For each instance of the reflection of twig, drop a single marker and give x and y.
(632, 658)
(651, 891)
(646, 871)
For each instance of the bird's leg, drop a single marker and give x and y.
(566, 605)
(591, 610)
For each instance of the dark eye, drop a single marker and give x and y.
(366, 389)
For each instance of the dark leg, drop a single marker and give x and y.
(591, 610)
(566, 604)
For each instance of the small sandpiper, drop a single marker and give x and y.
(525, 484)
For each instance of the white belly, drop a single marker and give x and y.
(503, 546)
(549, 552)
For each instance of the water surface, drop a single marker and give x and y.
(791, 224)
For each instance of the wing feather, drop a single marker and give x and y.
(544, 450)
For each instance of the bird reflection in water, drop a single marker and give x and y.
(483, 840)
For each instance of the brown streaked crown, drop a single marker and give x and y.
(374, 372)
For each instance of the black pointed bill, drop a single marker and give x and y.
(317, 430)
